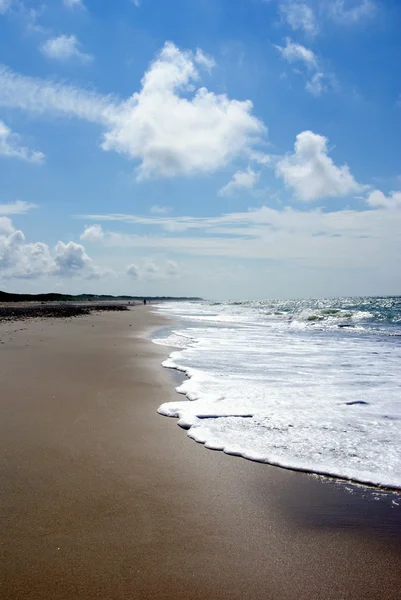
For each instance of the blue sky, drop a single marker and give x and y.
(221, 148)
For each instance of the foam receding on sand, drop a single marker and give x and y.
(317, 400)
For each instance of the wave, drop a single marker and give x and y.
(306, 397)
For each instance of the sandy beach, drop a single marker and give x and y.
(103, 498)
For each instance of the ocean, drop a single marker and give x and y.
(311, 385)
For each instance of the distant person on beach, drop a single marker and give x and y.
(144, 301)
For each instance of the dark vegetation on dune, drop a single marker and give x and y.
(6, 297)
(25, 306)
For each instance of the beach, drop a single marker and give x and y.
(103, 498)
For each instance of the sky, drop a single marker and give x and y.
(229, 149)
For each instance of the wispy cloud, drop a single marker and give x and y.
(310, 17)
(5, 5)
(43, 97)
(10, 147)
(74, 4)
(349, 13)
(294, 52)
(317, 81)
(317, 84)
(299, 16)
(19, 207)
(160, 210)
(65, 48)
(368, 237)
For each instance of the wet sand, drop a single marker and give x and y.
(103, 498)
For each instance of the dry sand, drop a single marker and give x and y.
(103, 498)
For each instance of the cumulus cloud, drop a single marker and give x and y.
(19, 259)
(18, 207)
(299, 16)
(10, 147)
(92, 233)
(6, 226)
(293, 52)
(171, 127)
(173, 134)
(312, 174)
(65, 48)
(71, 259)
(241, 180)
(377, 199)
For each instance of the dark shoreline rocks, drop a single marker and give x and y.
(63, 310)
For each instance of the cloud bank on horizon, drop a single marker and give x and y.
(203, 167)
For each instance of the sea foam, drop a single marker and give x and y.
(267, 382)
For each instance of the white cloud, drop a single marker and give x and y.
(71, 259)
(350, 12)
(337, 239)
(293, 52)
(311, 173)
(10, 147)
(74, 3)
(133, 271)
(168, 127)
(150, 271)
(92, 233)
(316, 85)
(65, 48)
(43, 97)
(241, 180)
(204, 60)
(18, 207)
(175, 135)
(261, 158)
(136, 3)
(317, 82)
(22, 260)
(299, 16)
(6, 226)
(377, 199)
(159, 210)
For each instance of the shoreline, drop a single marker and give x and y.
(105, 498)
(178, 376)
(202, 424)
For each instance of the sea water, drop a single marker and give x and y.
(310, 385)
